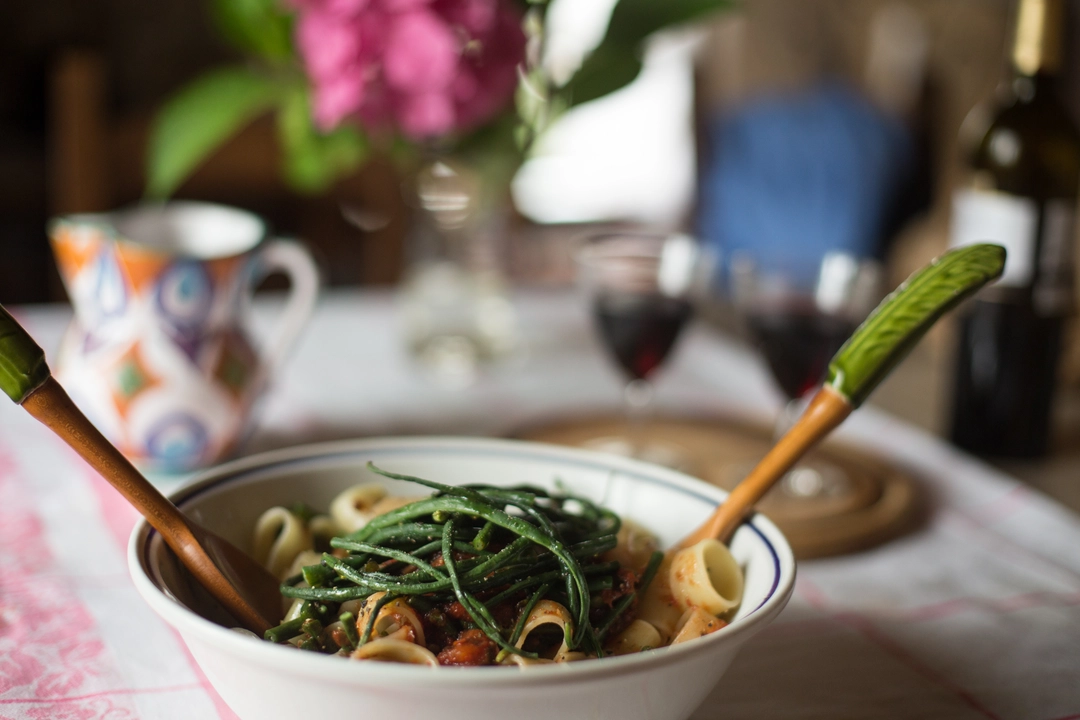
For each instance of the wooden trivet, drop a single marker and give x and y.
(860, 500)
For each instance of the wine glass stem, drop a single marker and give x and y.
(638, 400)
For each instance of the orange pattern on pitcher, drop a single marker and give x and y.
(142, 267)
(75, 249)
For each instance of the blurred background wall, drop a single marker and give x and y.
(80, 80)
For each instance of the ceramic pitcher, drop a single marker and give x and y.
(160, 354)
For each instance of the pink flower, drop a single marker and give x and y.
(421, 54)
(336, 6)
(335, 101)
(423, 67)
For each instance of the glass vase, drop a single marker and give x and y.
(456, 308)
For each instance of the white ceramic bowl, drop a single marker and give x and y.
(262, 681)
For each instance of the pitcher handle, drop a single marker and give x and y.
(295, 261)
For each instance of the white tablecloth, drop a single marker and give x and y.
(976, 615)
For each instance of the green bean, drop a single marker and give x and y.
(316, 575)
(348, 624)
(428, 548)
(594, 546)
(471, 502)
(593, 639)
(370, 624)
(476, 610)
(628, 599)
(601, 583)
(527, 610)
(404, 557)
(546, 577)
(523, 617)
(310, 643)
(550, 547)
(403, 514)
(312, 627)
(592, 514)
(469, 549)
(483, 537)
(451, 568)
(285, 631)
(401, 584)
(616, 612)
(507, 494)
(334, 594)
(417, 531)
(381, 581)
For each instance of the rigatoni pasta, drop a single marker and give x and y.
(279, 537)
(706, 576)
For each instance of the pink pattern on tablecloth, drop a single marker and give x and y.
(120, 517)
(865, 627)
(49, 643)
(91, 705)
(223, 710)
(98, 708)
(1020, 551)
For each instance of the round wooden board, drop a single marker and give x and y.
(865, 500)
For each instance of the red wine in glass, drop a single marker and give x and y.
(640, 329)
(798, 341)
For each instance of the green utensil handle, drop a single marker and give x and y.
(902, 318)
(22, 363)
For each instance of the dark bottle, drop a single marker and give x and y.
(1022, 191)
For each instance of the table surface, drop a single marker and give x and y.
(974, 615)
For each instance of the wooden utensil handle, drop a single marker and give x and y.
(827, 409)
(26, 379)
(865, 360)
(51, 405)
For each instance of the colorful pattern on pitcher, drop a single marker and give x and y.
(156, 355)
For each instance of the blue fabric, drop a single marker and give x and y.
(799, 175)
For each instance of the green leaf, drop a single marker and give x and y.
(902, 318)
(314, 160)
(608, 68)
(201, 117)
(259, 27)
(616, 61)
(634, 20)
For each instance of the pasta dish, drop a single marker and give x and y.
(481, 575)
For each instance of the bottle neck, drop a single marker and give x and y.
(1038, 38)
(1026, 88)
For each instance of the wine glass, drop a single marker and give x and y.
(799, 313)
(640, 287)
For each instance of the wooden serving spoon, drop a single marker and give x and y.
(241, 585)
(868, 356)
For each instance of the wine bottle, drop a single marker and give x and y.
(1021, 193)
